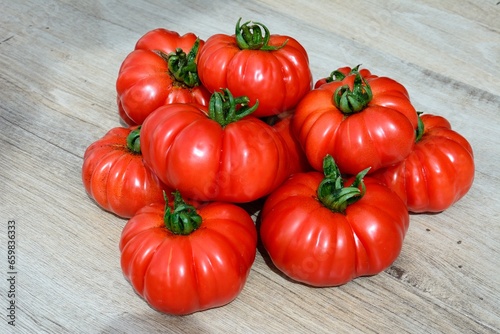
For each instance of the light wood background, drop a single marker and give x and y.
(58, 65)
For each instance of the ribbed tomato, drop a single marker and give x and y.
(161, 70)
(115, 176)
(437, 173)
(272, 69)
(183, 259)
(220, 153)
(319, 232)
(361, 119)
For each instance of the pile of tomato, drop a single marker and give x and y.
(337, 166)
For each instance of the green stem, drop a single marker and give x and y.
(331, 191)
(351, 101)
(183, 219)
(224, 108)
(134, 141)
(251, 37)
(183, 66)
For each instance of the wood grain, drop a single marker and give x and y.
(58, 66)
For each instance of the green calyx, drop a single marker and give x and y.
(134, 141)
(339, 76)
(182, 66)
(224, 108)
(350, 101)
(335, 76)
(183, 218)
(331, 191)
(420, 128)
(254, 37)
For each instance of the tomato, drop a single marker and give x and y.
(273, 69)
(183, 259)
(321, 233)
(219, 154)
(297, 158)
(159, 72)
(437, 173)
(340, 73)
(115, 176)
(362, 121)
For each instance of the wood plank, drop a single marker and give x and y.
(58, 66)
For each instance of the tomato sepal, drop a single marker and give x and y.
(251, 38)
(182, 218)
(332, 192)
(224, 108)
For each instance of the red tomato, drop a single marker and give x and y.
(115, 176)
(437, 173)
(361, 121)
(298, 160)
(159, 72)
(214, 157)
(183, 260)
(272, 69)
(321, 233)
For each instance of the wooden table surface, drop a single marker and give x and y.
(58, 65)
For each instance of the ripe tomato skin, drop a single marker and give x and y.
(379, 135)
(240, 162)
(278, 79)
(145, 82)
(117, 178)
(316, 246)
(183, 274)
(298, 160)
(437, 173)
